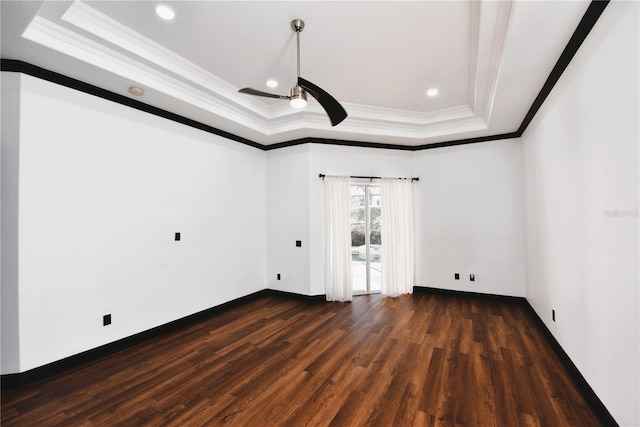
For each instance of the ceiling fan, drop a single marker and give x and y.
(298, 94)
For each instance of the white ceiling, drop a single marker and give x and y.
(488, 59)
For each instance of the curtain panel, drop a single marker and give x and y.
(337, 260)
(398, 259)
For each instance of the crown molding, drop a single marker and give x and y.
(61, 39)
(502, 24)
(474, 47)
(90, 20)
(486, 53)
(588, 21)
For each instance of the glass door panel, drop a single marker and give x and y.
(375, 240)
(365, 239)
(358, 247)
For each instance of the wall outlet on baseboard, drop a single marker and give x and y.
(553, 315)
(278, 276)
(456, 276)
(106, 319)
(472, 277)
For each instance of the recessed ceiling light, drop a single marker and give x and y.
(165, 12)
(432, 92)
(272, 83)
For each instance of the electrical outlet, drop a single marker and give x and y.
(472, 277)
(456, 276)
(177, 237)
(278, 276)
(553, 315)
(299, 243)
(106, 319)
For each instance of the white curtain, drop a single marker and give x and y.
(398, 262)
(337, 261)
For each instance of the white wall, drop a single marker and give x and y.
(581, 205)
(288, 219)
(102, 190)
(468, 210)
(469, 218)
(9, 125)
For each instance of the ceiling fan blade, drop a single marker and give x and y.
(333, 108)
(256, 92)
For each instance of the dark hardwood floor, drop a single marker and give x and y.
(417, 360)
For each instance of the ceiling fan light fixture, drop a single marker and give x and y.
(298, 97)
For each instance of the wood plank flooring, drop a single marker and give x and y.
(416, 360)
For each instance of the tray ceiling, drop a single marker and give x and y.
(488, 60)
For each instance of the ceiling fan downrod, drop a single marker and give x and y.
(297, 95)
(298, 26)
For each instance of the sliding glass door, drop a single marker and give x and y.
(366, 241)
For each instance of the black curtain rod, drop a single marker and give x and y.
(369, 177)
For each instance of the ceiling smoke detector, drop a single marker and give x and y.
(136, 91)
